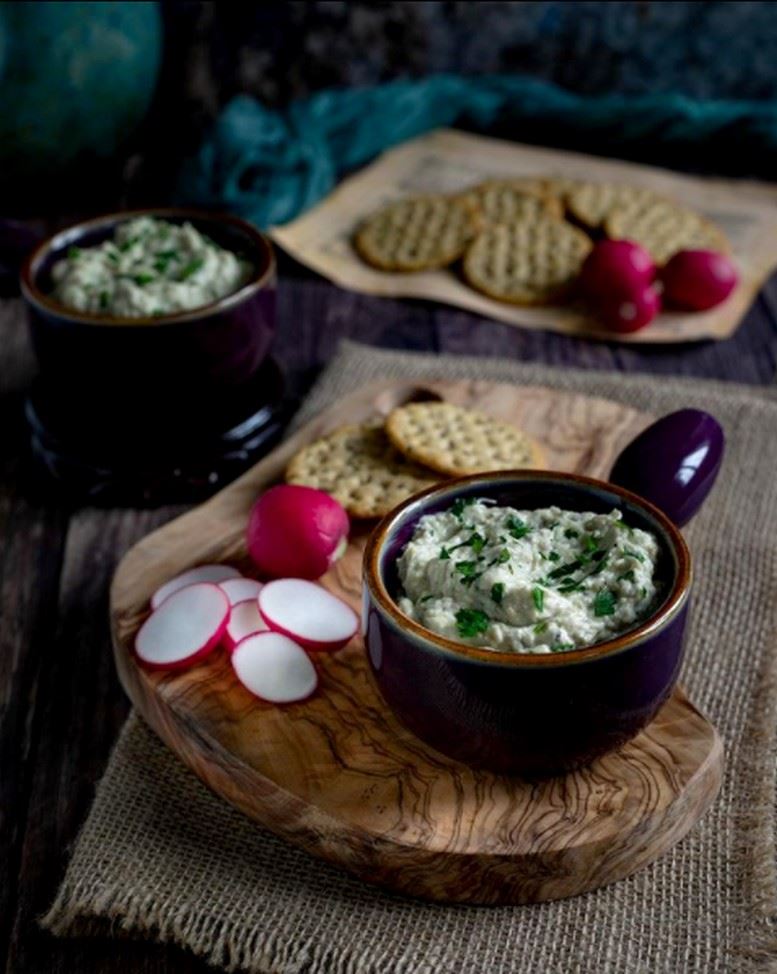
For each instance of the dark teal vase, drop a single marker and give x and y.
(75, 81)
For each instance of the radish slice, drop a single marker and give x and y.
(274, 668)
(240, 589)
(203, 573)
(307, 613)
(244, 620)
(184, 628)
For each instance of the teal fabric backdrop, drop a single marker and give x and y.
(270, 166)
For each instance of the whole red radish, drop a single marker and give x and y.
(296, 532)
(630, 311)
(698, 279)
(615, 266)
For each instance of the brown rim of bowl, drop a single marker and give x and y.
(669, 608)
(265, 272)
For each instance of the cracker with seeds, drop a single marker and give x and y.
(592, 203)
(663, 228)
(361, 469)
(508, 200)
(528, 262)
(458, 441)
(418, 234)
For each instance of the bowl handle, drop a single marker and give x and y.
(673, 463)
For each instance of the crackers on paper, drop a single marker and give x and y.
(361, 469)
(457, 441)
(508, 200)
(527, 262)
(417, 234)
(592, 203)
(663, 228)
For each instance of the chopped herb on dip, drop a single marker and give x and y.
(149, 268)
(483, 579)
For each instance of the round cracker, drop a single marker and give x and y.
(417, 234)
(458, 441)
(361, 469)
(508, 200)
(592, 203)
(527, 262)
(663, 228)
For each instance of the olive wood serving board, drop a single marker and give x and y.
(338, 775)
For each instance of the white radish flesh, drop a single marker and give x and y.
(244, 620)
(185, 628)
(240, 589)
(274, 668)
(203, 573)
(307, 613)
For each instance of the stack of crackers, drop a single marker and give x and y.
(523, 241)
(372, 467)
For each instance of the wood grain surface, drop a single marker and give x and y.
(340, 777)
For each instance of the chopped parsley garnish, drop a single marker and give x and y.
(128, 244)
(497, 592)
(538, 597)
(562, 570)
(621, 526)
(517, 528)
(476, 541)
(426, 598)
(191, 268)
(457, 508)
(604, 603)
(627, 577)
(103, 299)
(112, 256)
(561, 647)
(570, 533)
(143, 278)
(569, 586)
(630, 553)
(599, 567)
(471, 622)
(541, 626)
(503, 556)
(466, 568)
(554, 556)
(444, 554)
(74, 252)
(163, 259)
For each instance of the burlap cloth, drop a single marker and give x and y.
(161, 857)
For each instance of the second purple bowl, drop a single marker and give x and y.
(164, 370)
(519, 712)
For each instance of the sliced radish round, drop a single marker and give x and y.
(244, 620)
(240, 589)
(186, 627)
(307, 613)
(202, 573)
(274, 668)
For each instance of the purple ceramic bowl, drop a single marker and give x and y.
(518, 712)
(165, 369)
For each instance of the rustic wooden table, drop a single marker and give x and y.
(61, 705)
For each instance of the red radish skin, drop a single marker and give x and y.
(696, 280)
(184, 629)
(202, 573)
(308, 614)
(240, 589)
(244, 620)
(296, 532)
(274, 668)
(629, 312)
(616, 266)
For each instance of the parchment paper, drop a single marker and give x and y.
(448, 161)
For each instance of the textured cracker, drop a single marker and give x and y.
(360, 468)
(507, 200)
(663, 227)
(421, 233)
(458, 441)
(527, 262)
(592, 203)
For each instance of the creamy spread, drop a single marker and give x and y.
(542, 581)
(149, 268)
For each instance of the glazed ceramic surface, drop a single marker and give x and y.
(533, 714)
(160, 371)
